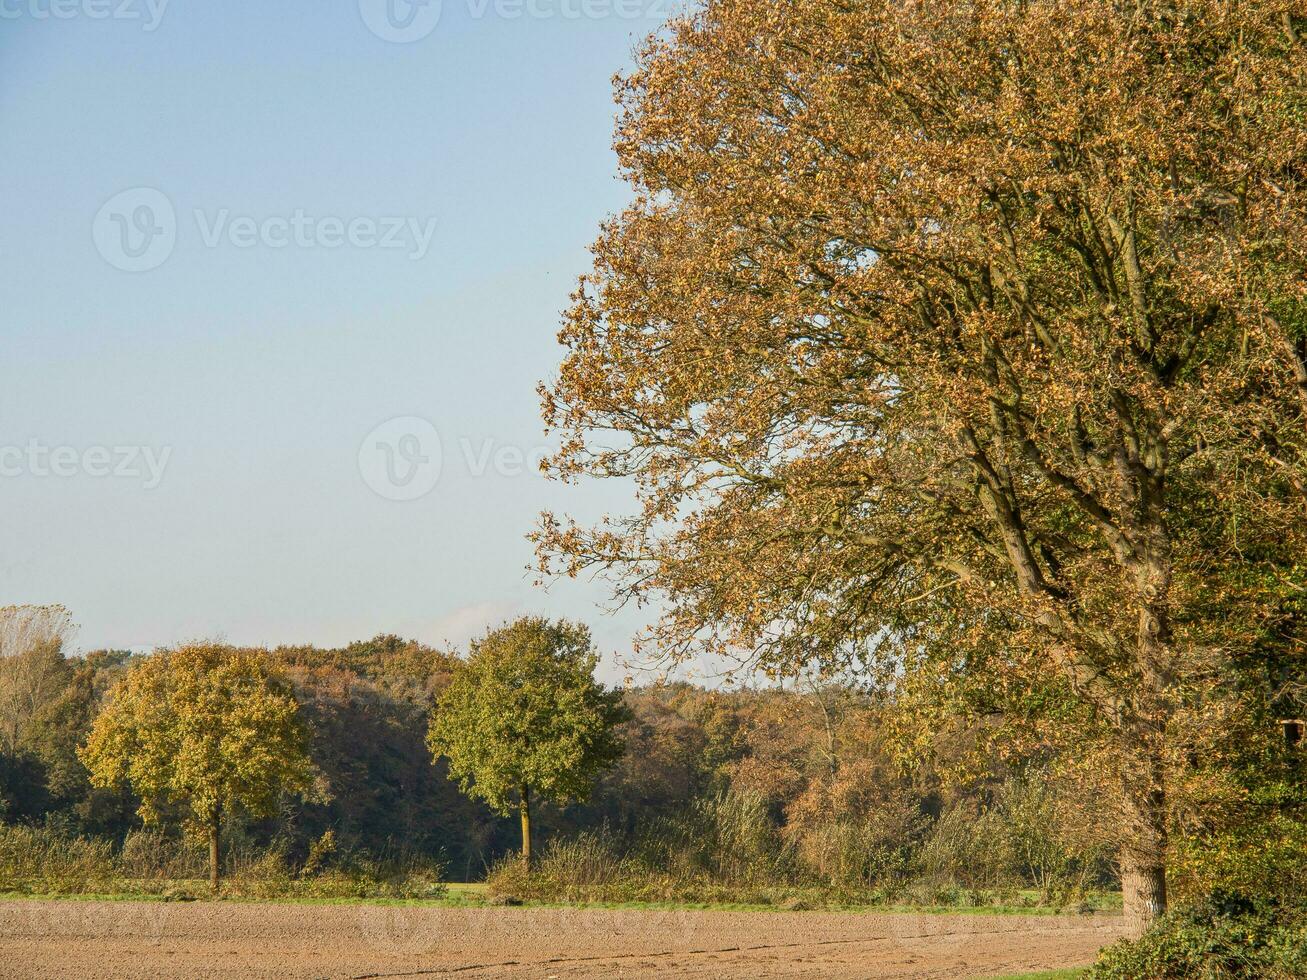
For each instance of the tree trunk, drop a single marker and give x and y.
(524, 807)
(1143, 860)
(1143, 890)
(215, 825)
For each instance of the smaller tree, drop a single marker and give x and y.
(206, 727)
(33, 668)
(524, 717)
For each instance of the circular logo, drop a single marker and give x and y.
(135, 231)
(400, 459)
(400, 21)
(399, 930)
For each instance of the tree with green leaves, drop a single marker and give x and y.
(206, 727)
(524, 718)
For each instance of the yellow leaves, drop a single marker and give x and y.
(206, 726)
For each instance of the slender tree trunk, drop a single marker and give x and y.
(215, 825)
(524, 807)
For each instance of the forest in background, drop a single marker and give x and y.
(719, 792)
(770, 794)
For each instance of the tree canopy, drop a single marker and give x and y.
(205, 727)
(524, 716)
(970, 331)
(32, 667)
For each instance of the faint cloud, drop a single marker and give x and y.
(467, 623)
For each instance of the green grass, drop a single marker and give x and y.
(476, 894)
(1046, 975)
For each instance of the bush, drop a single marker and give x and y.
(44, 860)
(392, 874)
(965, 849)
(1021, 840)
(41, 859)
(148, 854)
(1264, 857)
(1225, 936)
(586, 867)
(727, 848)
(729, 838)
(326, 873)
(855, 828)
(263, 874)
(664, 865)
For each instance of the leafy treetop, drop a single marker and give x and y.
(524, 711)
(207, 727)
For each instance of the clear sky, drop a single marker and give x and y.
(236, 240)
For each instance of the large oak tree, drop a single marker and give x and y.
(976, 325)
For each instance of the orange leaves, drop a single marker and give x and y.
(948, 323)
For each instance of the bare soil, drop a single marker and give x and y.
(66, 939)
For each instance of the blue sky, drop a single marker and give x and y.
(235, 385)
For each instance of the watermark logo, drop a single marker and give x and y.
(399, 929)
(487, 932)
(148, 12)
(404, 459)
(145, 464)
(143, 922)
(401, 459)
(400, 21)
(303, 230)
(405, 21)
(136, 230)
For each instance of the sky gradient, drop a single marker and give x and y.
(361, 230)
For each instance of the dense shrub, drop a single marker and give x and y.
(38, 859)
(668, 862)
(1224, 936)
(44, 860)
(728, 837)
(1020, 840)
(856, 827)
(728, 848)
(148, 854)
(1266, 857)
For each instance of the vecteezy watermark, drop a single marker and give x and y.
(35, 459)
(487, 457)
(403, 459)
(136, 230)
(148, 12)
(405, 21)
(400, 21)
(412, 930)
(303, 230)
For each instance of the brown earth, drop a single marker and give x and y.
(68, 939)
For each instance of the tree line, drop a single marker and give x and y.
(662, 791)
